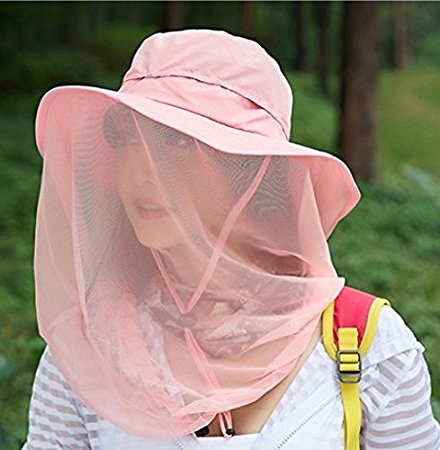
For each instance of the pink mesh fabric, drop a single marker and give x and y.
(176, 279)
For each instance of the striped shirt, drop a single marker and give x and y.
(395, 392)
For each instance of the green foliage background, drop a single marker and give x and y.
(389, 245)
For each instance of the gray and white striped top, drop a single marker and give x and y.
(395, 392)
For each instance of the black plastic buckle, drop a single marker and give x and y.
(349, 376)
(202, 432)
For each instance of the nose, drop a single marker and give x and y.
(140, 169)
(146, 187)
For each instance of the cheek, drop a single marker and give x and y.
(122, 171)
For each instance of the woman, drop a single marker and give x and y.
(182, 267)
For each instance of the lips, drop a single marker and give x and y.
(143, 202)
(149, 209)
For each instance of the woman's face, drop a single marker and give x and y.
(144, 204)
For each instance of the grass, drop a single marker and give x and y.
(408, 120)
(388, 245)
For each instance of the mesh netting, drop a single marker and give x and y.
(174, 280)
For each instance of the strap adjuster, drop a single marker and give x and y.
(351, 375)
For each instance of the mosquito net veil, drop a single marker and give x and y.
(174, 280)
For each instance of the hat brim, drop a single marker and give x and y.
(336, 190)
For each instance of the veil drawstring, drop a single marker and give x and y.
(227, 431)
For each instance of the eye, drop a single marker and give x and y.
(174, 138)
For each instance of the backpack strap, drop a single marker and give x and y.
(348, 325)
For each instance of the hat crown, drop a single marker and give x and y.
(219, 58)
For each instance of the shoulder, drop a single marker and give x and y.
(51, 383)
(394, 358)
(55, 418)
(393, 336)
(395, 386)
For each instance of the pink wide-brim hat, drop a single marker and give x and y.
(222, 89)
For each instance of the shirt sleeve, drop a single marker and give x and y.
(403, 417)
(55, 419)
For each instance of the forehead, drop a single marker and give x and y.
(172, 149)
(122, 125)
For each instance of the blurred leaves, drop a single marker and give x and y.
(30, 72)
(6, 368)
(114, 45)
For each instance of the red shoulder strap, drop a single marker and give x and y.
(351, 310)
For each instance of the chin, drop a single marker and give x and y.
(157, 241)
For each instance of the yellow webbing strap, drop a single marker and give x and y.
(349, 371)
(349, 368)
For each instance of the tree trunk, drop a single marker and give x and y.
(74, 22)
(248, 18)
(175, 15)
(300, 63)
(99, 14)
(321, 12)
(358, 99)
(400, 40)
